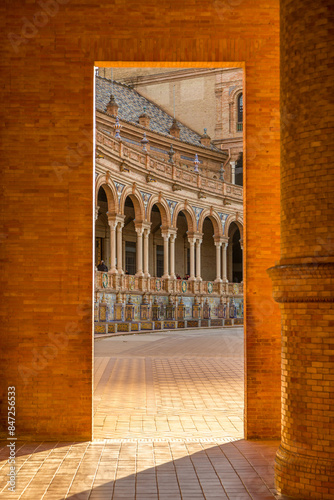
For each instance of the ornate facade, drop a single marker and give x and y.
(169, 221)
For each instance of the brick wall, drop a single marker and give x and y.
(47, 84)
(304, 280)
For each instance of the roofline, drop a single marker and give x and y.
(159, 107)
(104, 118)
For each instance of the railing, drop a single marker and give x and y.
(179, 172)
(128, 283)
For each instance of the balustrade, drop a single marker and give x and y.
(182, 172)
(127, 282)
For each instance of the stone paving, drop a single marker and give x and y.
(168, 426)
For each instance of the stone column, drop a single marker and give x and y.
(165, 235)
(229, 261)
(192, 257)
(119, 247)
(112, 224)
(303, 280)
(198, 259)
(123, 253)
(139, 252)
(224, 247)
(154, 258)
(218, 261)
(146, 252)
(172, 255)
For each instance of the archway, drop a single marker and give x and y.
(102, 231)
(156, 244)
(182, 248)
(208, 253)
(234, 255)
(129, 242)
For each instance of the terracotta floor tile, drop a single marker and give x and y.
(168, 422)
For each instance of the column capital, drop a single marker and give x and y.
(139, 230)
(115, 219)
(142, 225)
(194, 236)
(97, 208)
(221, 240)
(112, 222)
(165, 234)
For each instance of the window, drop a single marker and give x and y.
(240, 113)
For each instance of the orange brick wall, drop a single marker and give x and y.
(47, 84)
(303, 282)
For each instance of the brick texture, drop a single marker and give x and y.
(304, 279)
(47, 85)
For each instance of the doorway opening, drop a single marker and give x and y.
(169, 224)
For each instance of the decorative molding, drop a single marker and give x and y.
(146, 198)
(119, 189)
(171, 204)
(198, 212)
(223, 218)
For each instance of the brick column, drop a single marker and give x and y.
(303, 281)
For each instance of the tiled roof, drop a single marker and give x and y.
(131, 106)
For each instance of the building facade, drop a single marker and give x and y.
(169, 219)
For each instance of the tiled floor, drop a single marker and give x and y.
(168, 426)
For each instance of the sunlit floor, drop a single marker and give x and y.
(168, 426)
(175, 385)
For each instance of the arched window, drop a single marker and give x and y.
(240, 113)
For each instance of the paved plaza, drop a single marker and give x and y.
(168, 425)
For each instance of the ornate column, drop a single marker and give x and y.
(218, 245)
(191, 240)
(172, 254)
(120, 225)
(139, 250)
(303, 280)
(165, 234)
(198, 259)
(224, 258)
(112, 224)
(146, 251)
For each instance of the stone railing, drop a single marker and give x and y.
(132, 284)
(179, 172)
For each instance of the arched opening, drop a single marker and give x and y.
(240, 113)
(182, 249)
(129, 241)
(102, 231)
(208, 253)
(234, 255)
(156, 244)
